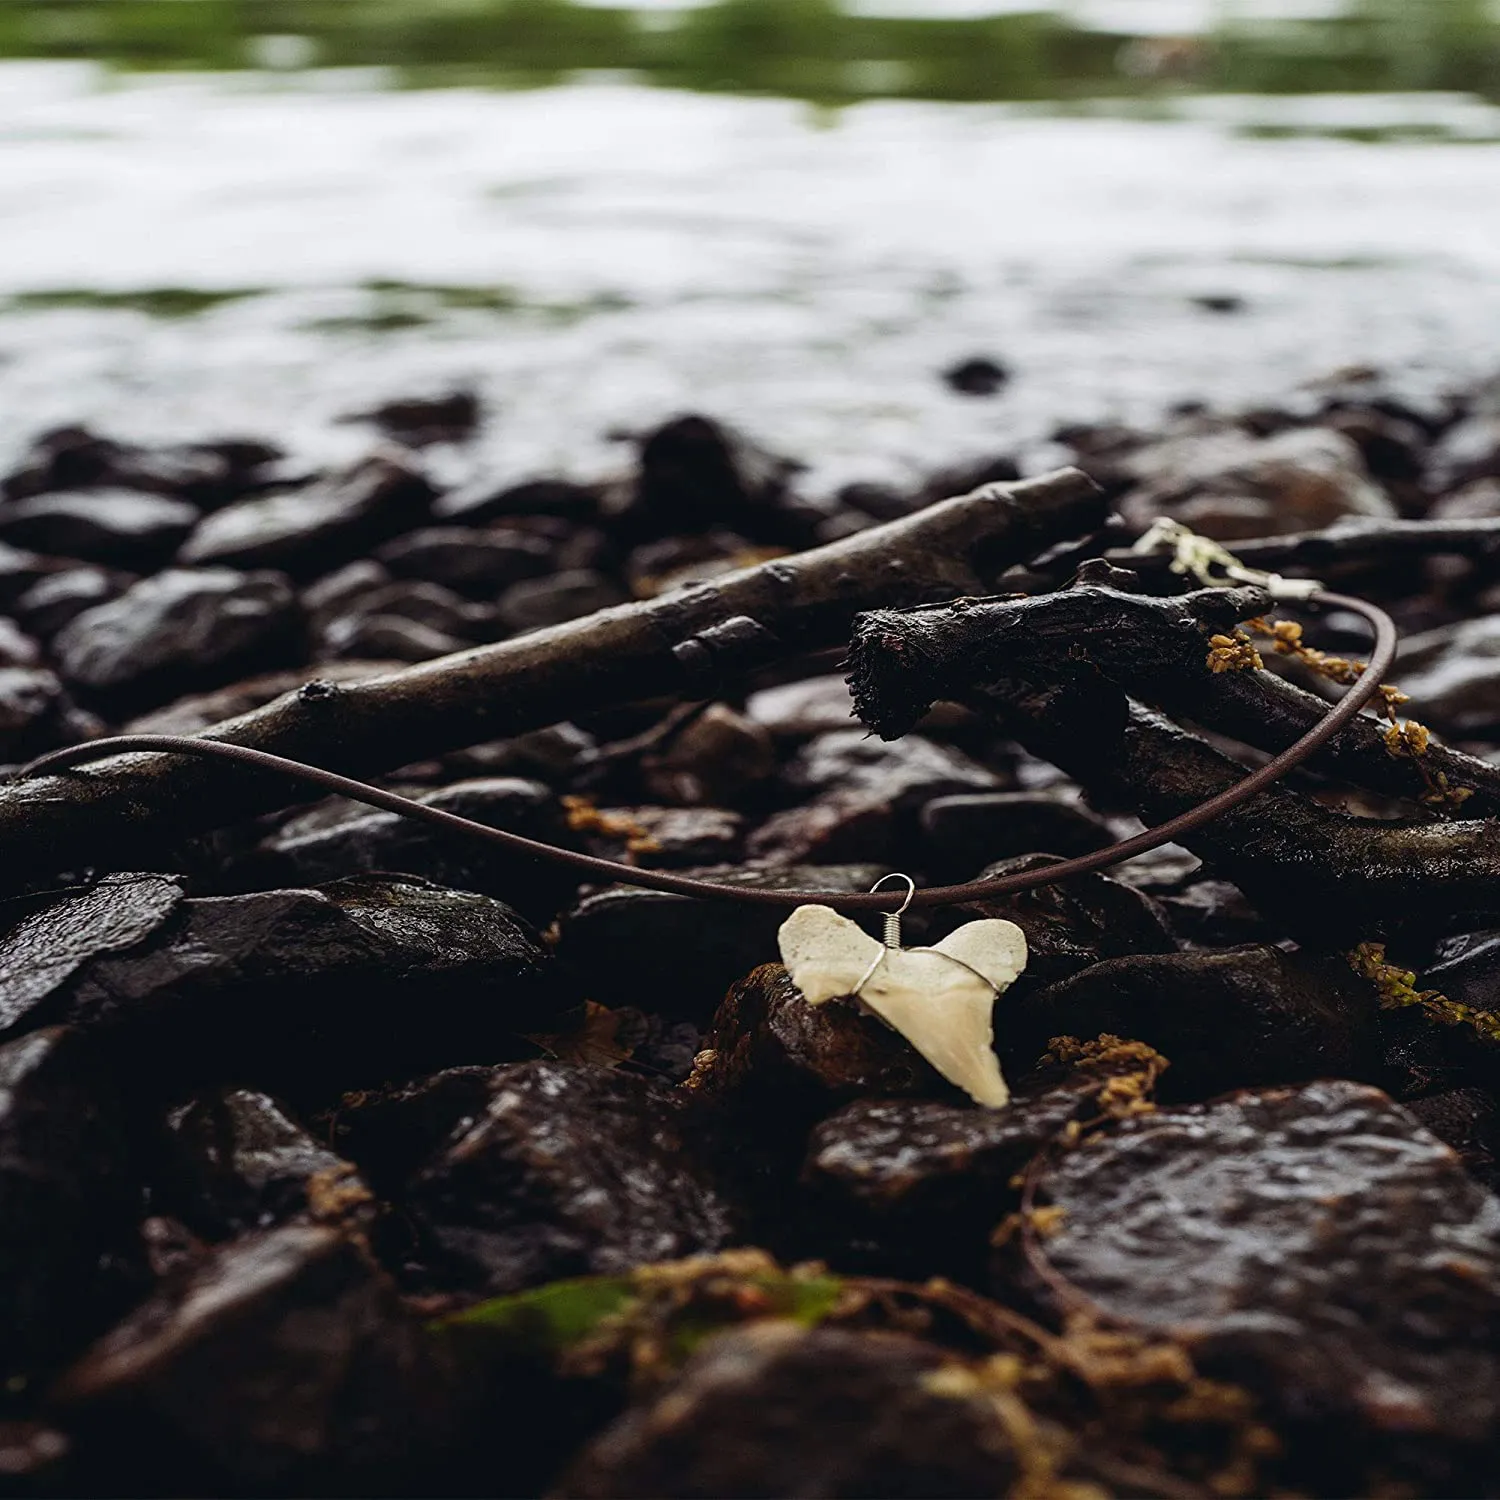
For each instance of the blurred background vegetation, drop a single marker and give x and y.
(809, 49)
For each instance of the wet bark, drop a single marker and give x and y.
(1056, 670)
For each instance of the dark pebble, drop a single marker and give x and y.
(1233, 1019)
(485, 501)
(963, 834)
(310, 990)
(178, 631)
(776, 1409)
(1318, 1246)
(419, 421)
(565, 1170)
(869, 795)
(552, 601)
(345, 838)
(479, 563)
(980, 376)
(121, 528)
(59, 598)
(69, 1200)
(697, 474)
(309, 531)
(238, 1162)
(913, 1186)
(283, 1363)
(36, 714)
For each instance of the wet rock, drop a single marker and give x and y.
(717, 757)
(675, 837)
(881, 502)
(980, 376)
(677, 955)
(348, 838)
(43, 952)
(68, 1200)
(73, 458)
(1466, 452)
(868, 795)
(55, 600)
(405, 620)
(336, 592)
(1394, 448)
(282, 1364)
(1474, 502)
(1468, 1120)
(310, 531)
(238, 1162)
(696, 474)
(913, 1186)
(1245, 1017)
(1227, 484)
(486, 501)
(123, 528)
(1214, 914)
(566, 1170)
(21, 570)
(419, 421)
(805, 709)
(309, 990)
(1316, 1245)
(778, 1409)
(963, 834)
(36, 714)
(1069, 926)
(1466, 968)
(770, 1052)
(472, 561)
(199, 710)
(1453, 675)
(390, 636)
(181, 630)
(555, 755)
(552, 601)
(959, 479)
(17, 649)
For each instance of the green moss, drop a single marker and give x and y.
(547, 1321)
(155, 302)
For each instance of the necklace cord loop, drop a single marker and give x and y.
(1339, 714)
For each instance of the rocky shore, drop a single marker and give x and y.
(342, 1156)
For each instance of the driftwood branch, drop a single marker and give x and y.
(1157, 651)
(1349, 545)
(683, 644)
(1043, 668)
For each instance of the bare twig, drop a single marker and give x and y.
(681, 644)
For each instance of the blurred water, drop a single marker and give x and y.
(597, 255)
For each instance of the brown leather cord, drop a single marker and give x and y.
(1341, 713)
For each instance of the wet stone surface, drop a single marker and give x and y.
(182, 629)
(777, 1409)
(366, 979)
(560, 1170)
(283, 1362)
(1227, 1020)
(1317, 1245)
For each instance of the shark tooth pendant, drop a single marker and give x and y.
(941, 999)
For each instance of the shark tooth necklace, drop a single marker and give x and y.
(941, 999)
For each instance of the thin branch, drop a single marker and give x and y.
(683, 644)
